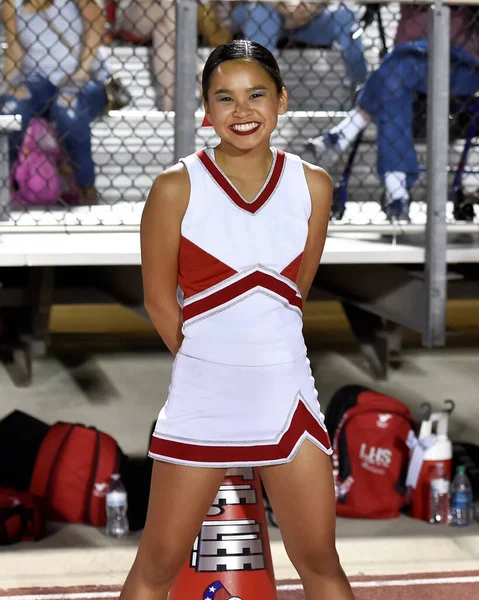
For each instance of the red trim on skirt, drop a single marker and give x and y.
(303, 421)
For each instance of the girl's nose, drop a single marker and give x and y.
(242, 109)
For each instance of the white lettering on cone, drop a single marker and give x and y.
(230, 495)
(229, 546)
(246, 473)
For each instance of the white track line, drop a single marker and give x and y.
(395, 582)
(285, 587)
(406, 582)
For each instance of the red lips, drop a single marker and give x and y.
(248, 132)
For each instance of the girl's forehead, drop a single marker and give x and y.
(239, 70)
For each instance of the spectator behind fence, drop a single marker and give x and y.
(151, 21)
(307, 22)
(154, 21)
(388, 99)
(214, 22)
(52, 69)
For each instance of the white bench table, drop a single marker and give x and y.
(116, 248)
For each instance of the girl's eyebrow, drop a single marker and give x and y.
(251, 89)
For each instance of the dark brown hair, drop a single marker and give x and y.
(241, 50)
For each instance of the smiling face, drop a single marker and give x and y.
(243, 104)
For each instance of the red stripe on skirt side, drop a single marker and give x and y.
(302, 421)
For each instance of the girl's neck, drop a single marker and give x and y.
(252, 164)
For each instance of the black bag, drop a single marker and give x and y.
(342, 400)
(467, 455)
(21, 436)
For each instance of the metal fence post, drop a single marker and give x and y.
(185, 77)
(437, 178)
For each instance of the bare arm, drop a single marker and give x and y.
(321, 190)
(160, 244)
(14, 54)
(94, 35)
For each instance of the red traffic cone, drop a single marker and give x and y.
(231, 557)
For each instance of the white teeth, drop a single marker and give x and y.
(245, 126)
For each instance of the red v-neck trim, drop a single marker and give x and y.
(229, 189)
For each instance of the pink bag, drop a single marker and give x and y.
(35, 176)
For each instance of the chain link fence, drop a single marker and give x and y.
(94, 85)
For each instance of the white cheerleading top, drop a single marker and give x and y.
(238, 264)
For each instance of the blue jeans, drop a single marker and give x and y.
(72, 121)
(389, 95)
(262, 23)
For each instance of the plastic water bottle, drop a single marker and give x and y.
(439, 496)
(461, 499)
(116, 508)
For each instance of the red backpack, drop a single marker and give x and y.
(72, 472)
(370, 456)
(21, 518)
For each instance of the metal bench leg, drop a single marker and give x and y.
(379, 342)
(15, 351)
(24, 324)
(41, 293)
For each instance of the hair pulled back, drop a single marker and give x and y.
(246, 50)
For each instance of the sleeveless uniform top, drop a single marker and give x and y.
(44, 50)
(238, 264)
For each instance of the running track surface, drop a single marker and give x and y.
(444, 586)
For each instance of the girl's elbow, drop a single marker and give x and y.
(160, 307)
(152, 305)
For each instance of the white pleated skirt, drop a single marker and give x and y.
(225, 416)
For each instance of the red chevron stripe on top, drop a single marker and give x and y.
(302, 421)
(237, 288)
(292, 270)
(228, 188)
(199, 270)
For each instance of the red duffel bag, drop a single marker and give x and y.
(72, 472)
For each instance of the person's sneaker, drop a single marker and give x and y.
(398, 211)
(326, 148)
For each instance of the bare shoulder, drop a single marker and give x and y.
(319, 182)
(170, 190)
